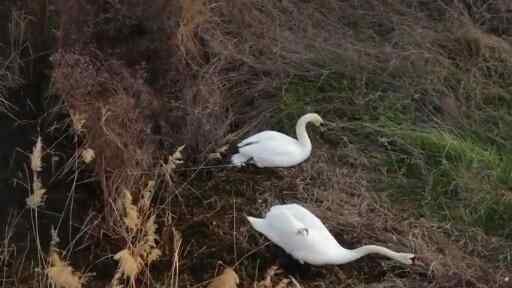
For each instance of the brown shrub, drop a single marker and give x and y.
(115, 106)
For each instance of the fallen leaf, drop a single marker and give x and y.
(283, 283)
(228, 279)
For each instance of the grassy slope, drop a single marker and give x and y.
(430, 128)
(451, 172)
(416, 156)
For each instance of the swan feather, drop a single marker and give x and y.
(302, 235)
(282, 225)
(274, 149)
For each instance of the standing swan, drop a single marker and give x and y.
(302, 235)
(275, 149)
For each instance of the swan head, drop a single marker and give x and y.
(314, 118)
(406, 258)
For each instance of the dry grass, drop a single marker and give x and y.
(10, 58)
(117, 133)
(341, 197)
(153, 88)
(60, 273)
(140, 234)
(37, 195)
(8, 252)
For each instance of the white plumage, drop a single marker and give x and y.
(302, 235)
(275, 149)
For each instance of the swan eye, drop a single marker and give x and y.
(323, 127)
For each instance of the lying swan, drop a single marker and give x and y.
(304, 236)
(275, 149)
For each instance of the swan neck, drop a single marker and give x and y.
(373, 249)
(302, 134)
(343, 255)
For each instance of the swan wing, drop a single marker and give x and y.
(308, 241)
(285, 231)
(282, 223)
(273, 149)
(268, 135)
(304, 216)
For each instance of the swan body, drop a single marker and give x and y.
(302, 235)
(275, 149)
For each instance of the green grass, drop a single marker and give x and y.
(303, 96)
(463, 181)
(450, 172)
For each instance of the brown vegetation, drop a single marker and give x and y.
(138, 79)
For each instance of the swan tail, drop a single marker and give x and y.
(239, 159)
(256, 223)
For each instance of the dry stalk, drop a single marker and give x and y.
(59, 272)
(142, 239)
(37, 197)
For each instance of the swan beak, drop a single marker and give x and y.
(421, 260)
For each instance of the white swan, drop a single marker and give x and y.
(302, 235)
(275, 149)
